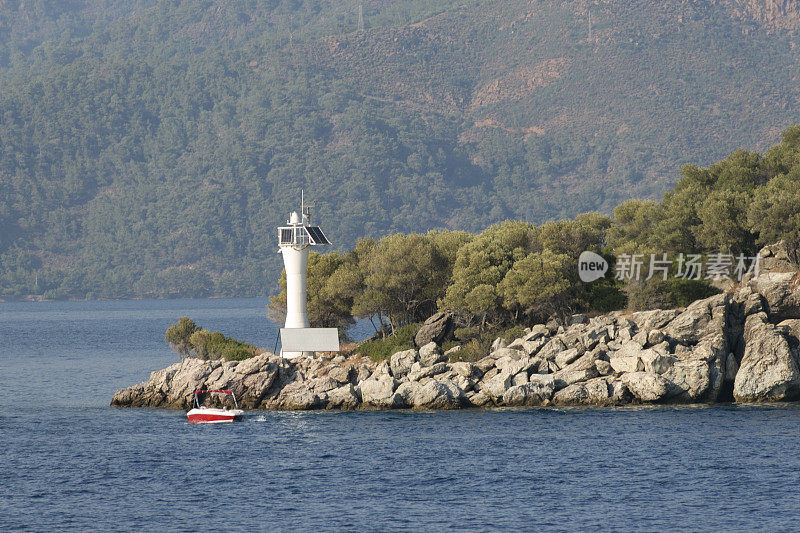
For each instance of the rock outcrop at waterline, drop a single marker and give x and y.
(742, 346)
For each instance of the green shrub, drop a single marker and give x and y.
(465, 334)
(188, 339)
(512, 333)
(382, 349)
(471, 351)
(605, 297)
(686, 291)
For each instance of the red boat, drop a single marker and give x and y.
(213, 415)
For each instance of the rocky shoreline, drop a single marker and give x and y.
(740, 346)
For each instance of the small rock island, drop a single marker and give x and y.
(742, 345)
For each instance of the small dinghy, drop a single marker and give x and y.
(213, 415)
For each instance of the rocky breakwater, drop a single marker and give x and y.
(738, 346)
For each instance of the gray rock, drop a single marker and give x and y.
(342, 374)
(547, 380)
(655, 319)
(578, 318)
(582, 363)
(499, 343)
(641, 338)
(485, 364)
(603, 367)
(508, 352)
(363, 373)
(430, 355)
(626, 360)
(512, 366)
(595, 336)
(256, 386)
(566, 357)
(497, 386)
(401, 362)
(433, 395)
(791, 328)
(646, 386)
(553, 347)
(437, 329)
(731, 368)
(782, 299)
(656, 361)
(463, 368)
(564, 378)
(655, 336)
(479, 399)
(619, 392)
(778, 257)
(624, 334)
(418, 372)
(768, 370)
(537, 331)
(324, 384)
(592, 392)
(452, 351)
(527, 394)
(531, 347)
(298, 397)
(378, 392)
(520, 378)
(344, 397)
(692, 324)
(691, 380)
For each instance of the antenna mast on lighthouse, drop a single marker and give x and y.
(295, 240)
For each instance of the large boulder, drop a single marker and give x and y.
(769, 369)
(430, 354)
(437, 329)
(647, 386)
(435, 394)
(565, 378)
(379, 392)
(780, 293)
(419, 372)
(696, 321)
(344, 397)
(341, 373)
(656, 361)
(690, 380)
(655, 319)
(593, 392)
(627, 358)
(297, 396)
(527, 394)
(400, 362)
(256, 386)
(566, 357)
(497, 386)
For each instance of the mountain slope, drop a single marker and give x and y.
(150, 148)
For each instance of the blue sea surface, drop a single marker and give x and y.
(69, 462)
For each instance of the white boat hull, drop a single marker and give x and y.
(210, 415)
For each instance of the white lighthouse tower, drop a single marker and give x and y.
(295, 240)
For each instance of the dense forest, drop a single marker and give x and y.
(150, 148)
(516, 273)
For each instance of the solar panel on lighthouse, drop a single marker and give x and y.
(317, 237)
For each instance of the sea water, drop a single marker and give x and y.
(69, 462)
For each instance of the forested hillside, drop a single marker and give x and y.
(150, 148)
